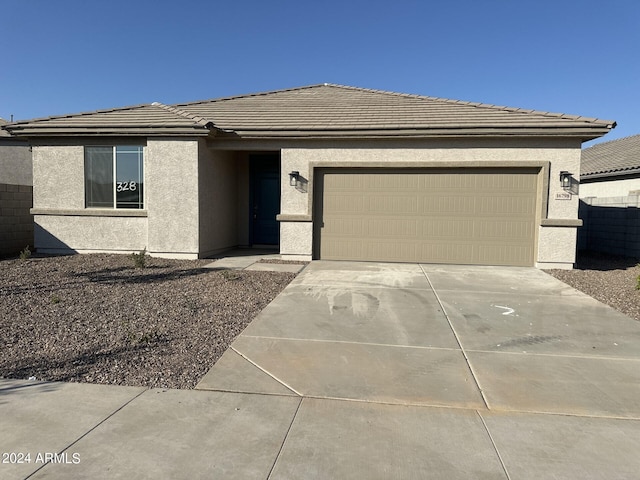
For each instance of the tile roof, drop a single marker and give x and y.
(320, 111)
(3, 133)
(334, 109)
(153, 119)
(617, 157)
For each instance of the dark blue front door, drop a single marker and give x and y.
(265, 199)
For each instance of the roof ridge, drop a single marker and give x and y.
(183, 113)
(249, 95)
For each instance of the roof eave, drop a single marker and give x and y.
(119, 131)
(584, 134)
(609, 174)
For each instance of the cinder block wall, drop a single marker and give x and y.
(16, 223)
(610, 225)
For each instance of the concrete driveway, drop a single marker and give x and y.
(370, 370)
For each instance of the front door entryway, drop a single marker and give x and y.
(265, 199)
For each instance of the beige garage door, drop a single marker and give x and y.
(460, 216)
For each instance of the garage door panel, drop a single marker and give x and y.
(398, 204)
(392, 227)
(387, 249)
(470, 216)
(356, 228)
(497, 231)
(503, 254)
(447, 205)
(342, 203)
(503, 205)
(397, 251)
(432, 227)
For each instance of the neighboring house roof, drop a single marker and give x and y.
(6, 139)
(614, 158)
(3, 133)
(320, 111)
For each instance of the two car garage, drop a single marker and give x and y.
(476, 216)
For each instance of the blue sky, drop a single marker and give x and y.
(571, 56)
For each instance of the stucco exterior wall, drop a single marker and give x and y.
(296, 240)
(171, 197)
(557, 247)
(218, 193)
(62, 223)
(556, 244)
(168, 226)
(90, 234)
(58, 177)
(194, 194)
(610, 188)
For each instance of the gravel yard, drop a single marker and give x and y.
(96, 318)
(610, 279)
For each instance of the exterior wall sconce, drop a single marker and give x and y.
(294, 178)
(565, 180)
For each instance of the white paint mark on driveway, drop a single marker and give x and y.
(508, 310)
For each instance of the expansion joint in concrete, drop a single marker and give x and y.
(455, 334)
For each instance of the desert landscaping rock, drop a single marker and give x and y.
(608, 278)
(96, 318)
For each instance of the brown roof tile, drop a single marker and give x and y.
(324, 110)
(154, 119)
(616, 157)
(3, 133)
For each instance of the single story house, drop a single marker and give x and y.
(16, 180)
(609, 197)
(611, 169)
(322, 172)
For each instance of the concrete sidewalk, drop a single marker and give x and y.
(362, 370)
(253, 259)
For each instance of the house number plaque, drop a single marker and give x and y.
(563, 196)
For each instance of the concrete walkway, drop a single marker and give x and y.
(253, 259)
(362, 370)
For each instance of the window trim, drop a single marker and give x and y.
(114, 160)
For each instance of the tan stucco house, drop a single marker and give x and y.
(611, 169)
(321, 172)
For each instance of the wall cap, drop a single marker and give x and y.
(561, 222)
(284, 217)
(89, 212)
